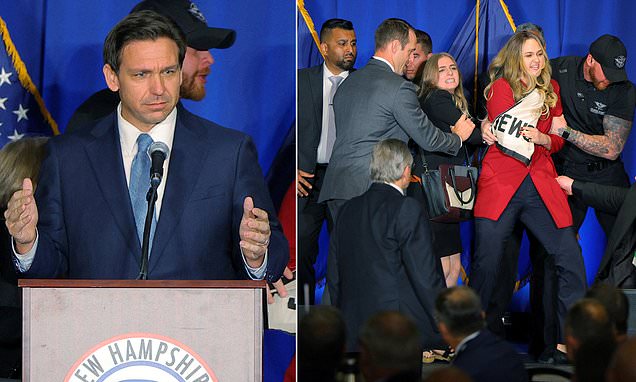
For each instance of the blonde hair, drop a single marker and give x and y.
(430, 78)
(508, 64)
(18, 160)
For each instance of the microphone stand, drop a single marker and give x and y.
(151, 197)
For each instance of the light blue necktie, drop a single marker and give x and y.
(139, 185)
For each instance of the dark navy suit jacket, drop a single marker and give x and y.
(488, 358)
(382, 260)
(86, 225)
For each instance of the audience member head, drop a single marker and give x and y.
(441, 72)
(524, 64)
(593, 358)
(199, 37)
(338, 45)
(605, 63)
(321, 343)
(622, 367)
(586, 320)
(423, 51)
(391, 163)
(143, 54)
(616, 304)
(448, 373)
(534, 28)
(389, 345)
(18, 160)
(395, 41)
(459, 314)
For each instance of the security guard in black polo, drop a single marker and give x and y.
(598, 105)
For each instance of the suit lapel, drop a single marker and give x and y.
(315, 84)
(186, 162)
(104, 154)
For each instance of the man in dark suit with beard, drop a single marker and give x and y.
(382, 258)
(316, 135)
(478, 352)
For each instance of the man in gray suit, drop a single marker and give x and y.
(376, 103)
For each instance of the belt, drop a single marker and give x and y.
(591, 166)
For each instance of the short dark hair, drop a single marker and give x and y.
(424, 39)
(321, 341)
(332, 24)
(141, 26)
(593, 358)
(532, 27)
(587, 320)
(614, 301)
(460, 310)
(392, 340)
(392, 29)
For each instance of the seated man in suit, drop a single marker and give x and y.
(382, 250)
(481, 354)
(321, 344)
(616, 304)
(587, 320)
(90, 204)
(623, 365)
(390, 349)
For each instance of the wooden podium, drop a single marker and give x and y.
(116, 330)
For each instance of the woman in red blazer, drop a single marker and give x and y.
(512, 188)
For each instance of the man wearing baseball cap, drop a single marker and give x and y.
(196, 66)
(598, 105)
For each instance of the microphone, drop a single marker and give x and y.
(158, 152)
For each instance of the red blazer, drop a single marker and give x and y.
(501, 175)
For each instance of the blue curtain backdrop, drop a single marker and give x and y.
(569, 27)
(251, 87)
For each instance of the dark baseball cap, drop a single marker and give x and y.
(192, 22)
(610, 52)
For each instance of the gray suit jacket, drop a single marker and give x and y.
(371, 105)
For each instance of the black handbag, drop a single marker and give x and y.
(450, 191)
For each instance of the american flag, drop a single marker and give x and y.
(22, 111)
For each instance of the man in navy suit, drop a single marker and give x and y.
(315, 109)
(478, 352)
(382, 257)
(207, 225)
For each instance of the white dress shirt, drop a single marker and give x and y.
(326, 89)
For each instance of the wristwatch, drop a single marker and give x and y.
(566, 133)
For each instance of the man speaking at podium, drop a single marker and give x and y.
(214, 218)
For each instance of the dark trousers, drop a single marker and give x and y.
(311, 216)
(332, 274)
(609, 173)
(543, 294)
(612, 175)
(491, 237)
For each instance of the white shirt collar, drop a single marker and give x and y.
(386, 62)
(466, 339)
(326, 73)
(162, 131)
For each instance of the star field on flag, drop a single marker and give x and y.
(22, 111)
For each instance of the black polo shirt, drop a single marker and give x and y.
(584, 107)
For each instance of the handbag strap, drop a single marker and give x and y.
(472, 186)
(422, 162)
